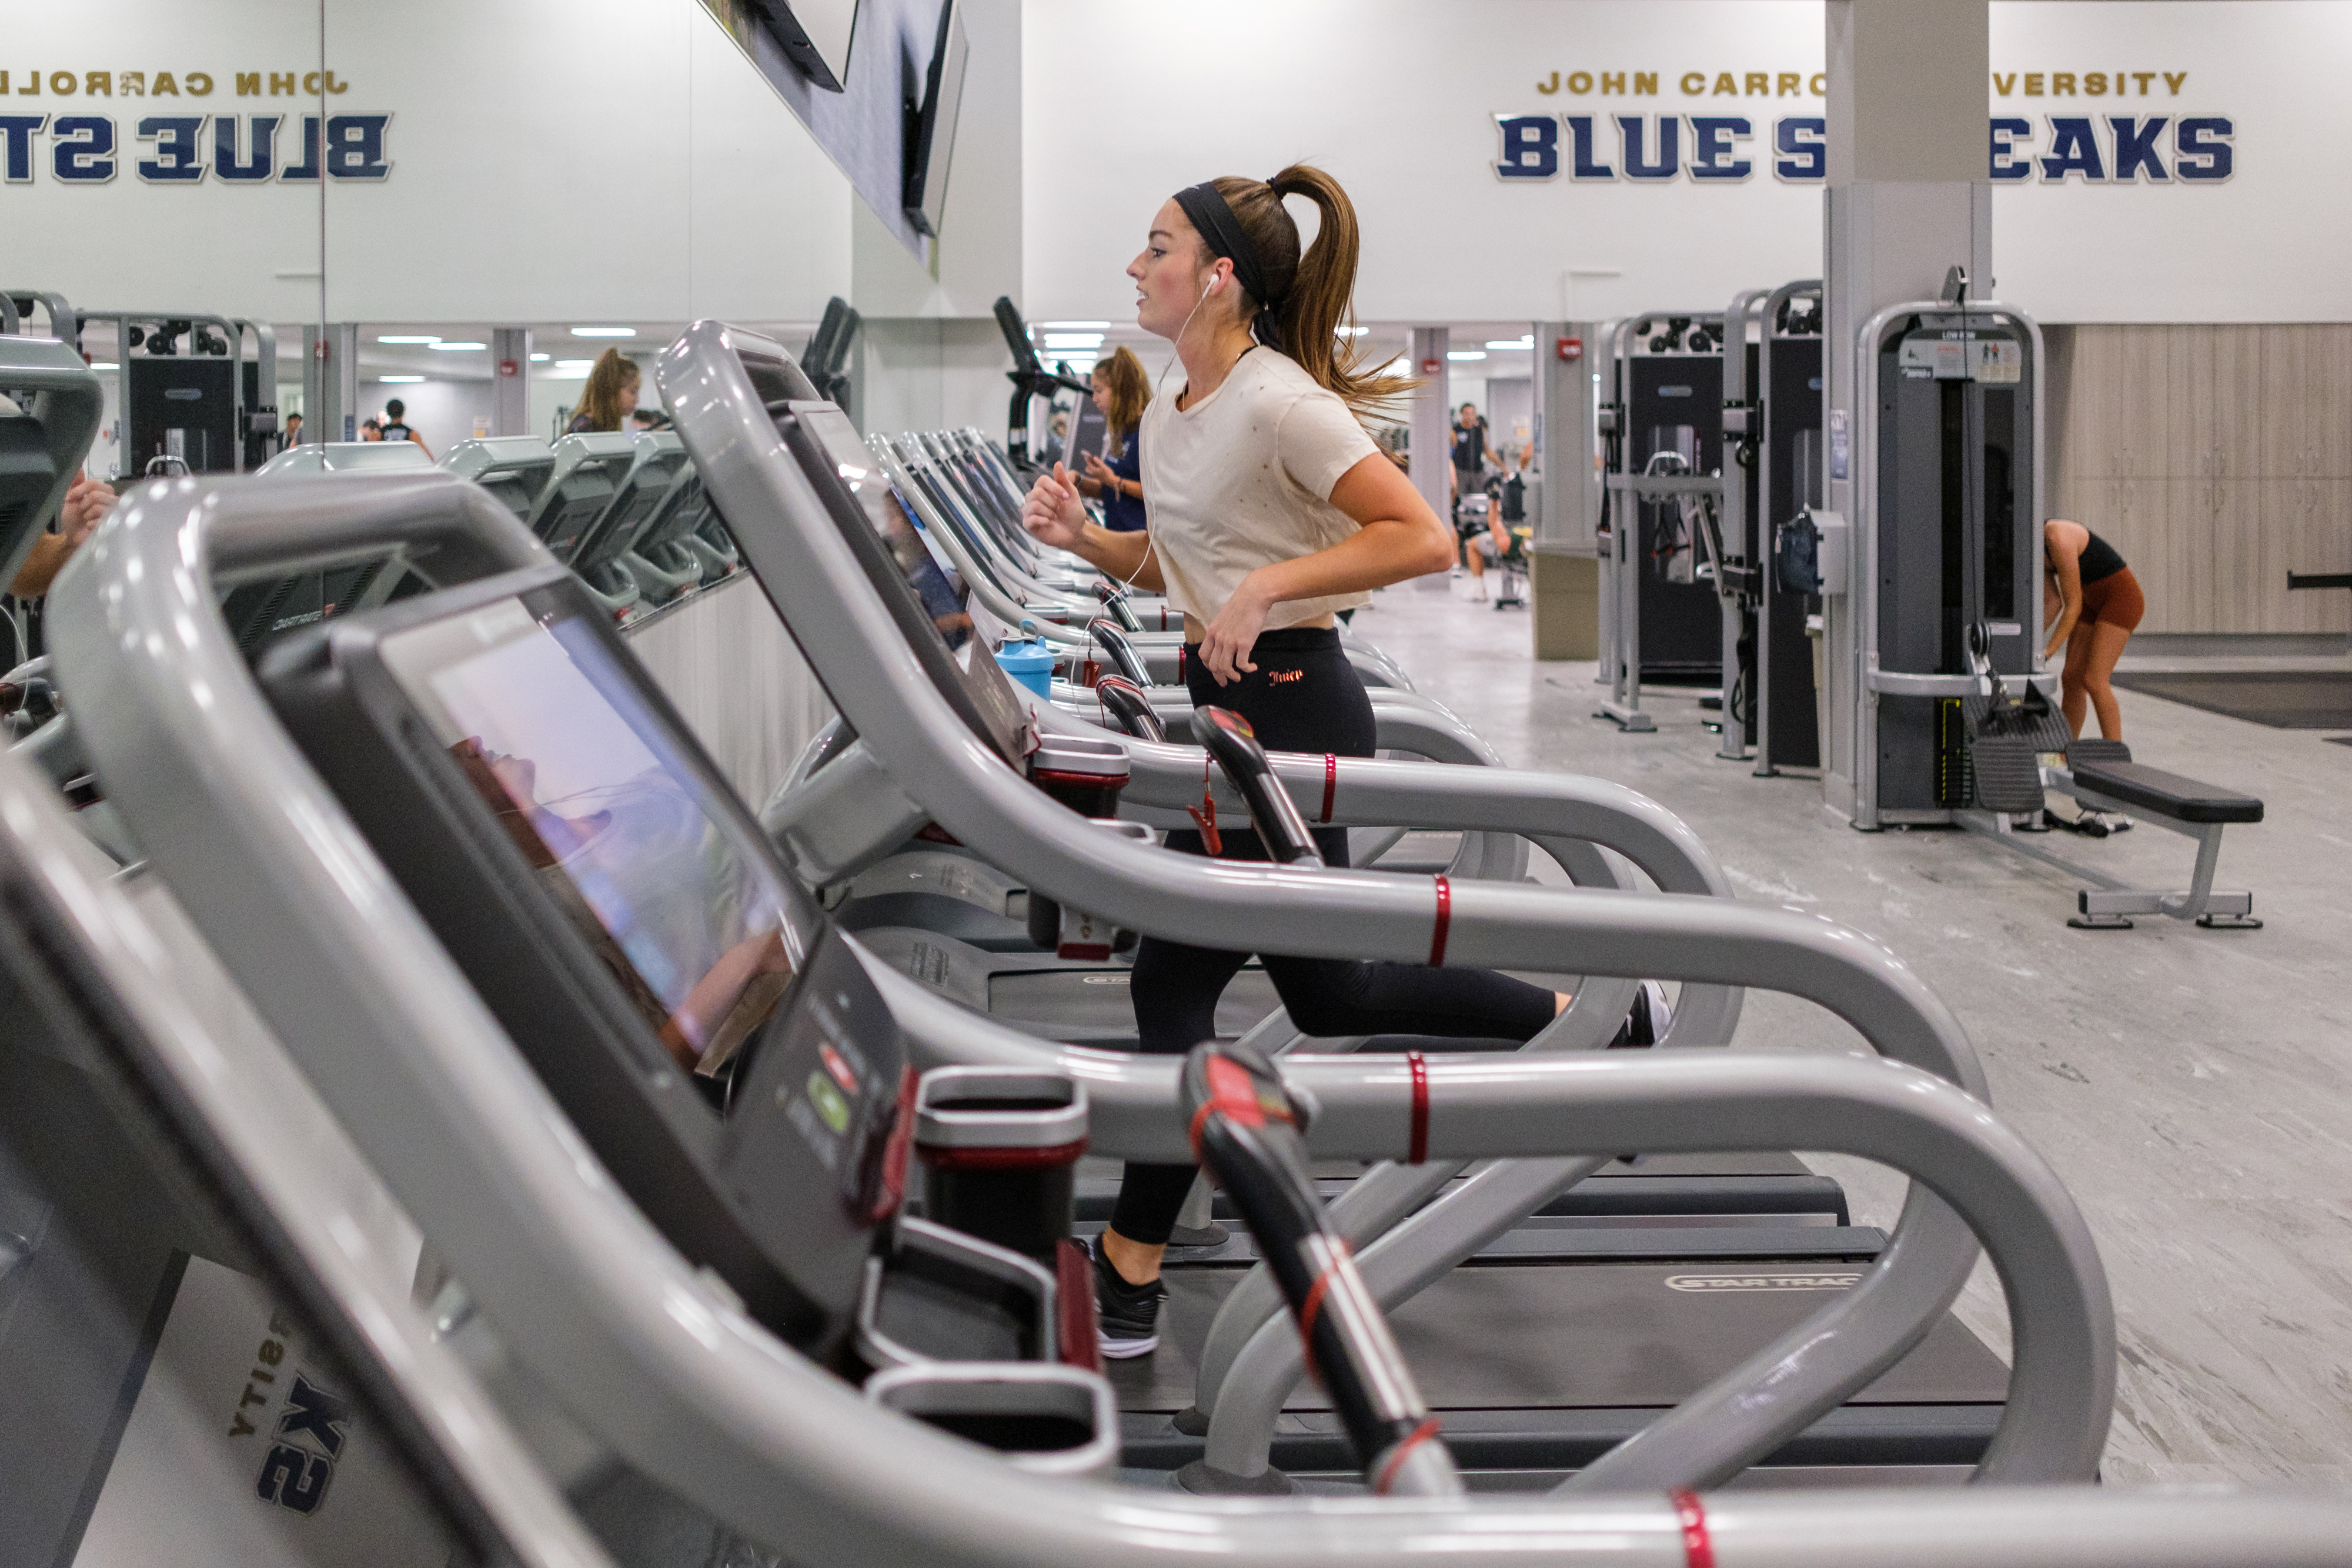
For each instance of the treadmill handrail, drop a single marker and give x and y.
(474, 1146)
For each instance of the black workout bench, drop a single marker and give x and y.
(2101, 774)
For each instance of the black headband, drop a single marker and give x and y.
(1221, 232)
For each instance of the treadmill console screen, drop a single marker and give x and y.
(689, 919)
(723, 1053)
(926, 602)
(941, 589)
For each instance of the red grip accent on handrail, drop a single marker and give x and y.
(1417, 1140)
(1444, 918)
(1698, 1547)
(1330, 782)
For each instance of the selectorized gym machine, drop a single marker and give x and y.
(1661, 433)
(1773, 402)
(1935, 615)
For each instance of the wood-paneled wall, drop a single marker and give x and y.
(2216, 458)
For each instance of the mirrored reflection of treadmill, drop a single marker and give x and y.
(589, 468)
(204, 1324)
(345, 458)
(514, 469)
(671, 558)
(597, 558)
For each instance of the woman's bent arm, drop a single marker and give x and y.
(1398, 538)
(1054, 514)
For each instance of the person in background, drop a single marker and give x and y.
(610, 396)
(396, 428)
(371, 429)
(87, 501)
(2094, 603)
(1058, 435)
(293, 431)
(1493, 542)
(1471, 453)
(1120, 390)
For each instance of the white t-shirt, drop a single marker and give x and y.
(1243, 479)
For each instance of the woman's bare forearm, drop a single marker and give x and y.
(1125, 556)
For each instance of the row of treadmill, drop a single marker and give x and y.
(443, 1122)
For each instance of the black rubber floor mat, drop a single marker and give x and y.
(2283, 699)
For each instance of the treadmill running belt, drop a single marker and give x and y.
(2283, 699)
(1593, 1337)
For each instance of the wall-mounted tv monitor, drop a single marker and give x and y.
(930, 129)
(815, 37)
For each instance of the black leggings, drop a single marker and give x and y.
(1303, 696)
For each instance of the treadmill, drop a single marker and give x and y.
(669, 559)
(345, 458)
(205, 1327)
(514, 469)
(721, 1144)
(598, 557)
(587, 471)
(1936, 1412)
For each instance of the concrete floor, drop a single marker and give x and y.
(2193, 1088)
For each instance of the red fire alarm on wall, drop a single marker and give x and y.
(1431, 367)
(508, 368)
(1571, 348)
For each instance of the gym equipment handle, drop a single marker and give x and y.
(1246, 1130)
(1232, 741)
(1126, 702)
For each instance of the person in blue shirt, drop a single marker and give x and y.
(1120, 390)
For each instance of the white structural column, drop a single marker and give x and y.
(1908, 199)
(331, 386)
(1432, 432)
(510, 394)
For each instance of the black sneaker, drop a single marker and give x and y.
(1128, 1314)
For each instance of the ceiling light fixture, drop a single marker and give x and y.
(540, 359)
(1466, 353)
(410, 338)
(1527, 342)
(449, 347)
(604, 331)
(400, 377)
(1076, 326)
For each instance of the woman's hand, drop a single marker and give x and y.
(1101, 474)
(1224, 651)
(87, 501)
(1053, 512)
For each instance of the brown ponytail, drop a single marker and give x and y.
(600, 400)
(1313, 294)
(1123, 375)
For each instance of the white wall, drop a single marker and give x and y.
(594, 159)
(1398, 97)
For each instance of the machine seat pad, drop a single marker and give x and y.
(2162, 794)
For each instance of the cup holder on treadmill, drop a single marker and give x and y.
(1053, 1420)
(938, 1295)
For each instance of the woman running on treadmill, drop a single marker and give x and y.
(1270, 510)
(2096, 601)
